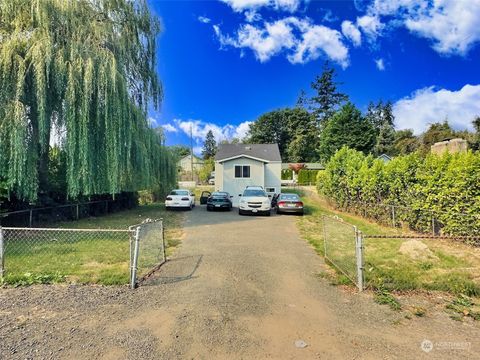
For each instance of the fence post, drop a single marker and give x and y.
(30, 220)
(163, 242)
(359, 256)
(78, 215)
(433, 225)
(324, 237)
(133, 270)
(2, 253)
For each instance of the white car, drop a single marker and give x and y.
(180, 198)
(254, 200)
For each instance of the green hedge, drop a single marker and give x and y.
(306, 177)
(446, 188)
(287, 174)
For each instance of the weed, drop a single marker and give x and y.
(384, 297)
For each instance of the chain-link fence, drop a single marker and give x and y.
(343, 248)
(45, 216)
(399, 260)
(423, 221)
(87, 256)
(147, 250)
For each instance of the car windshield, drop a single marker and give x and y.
(289, 197)
(219, 194)
(254, 193)
(179, 192)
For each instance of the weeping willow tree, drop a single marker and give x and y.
(80, 73)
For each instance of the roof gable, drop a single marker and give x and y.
(262, 152)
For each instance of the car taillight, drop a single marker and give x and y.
(299, 204)
(281, 203)
(185, 198)
(169, 198)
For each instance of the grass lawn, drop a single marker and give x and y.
(79, 257)
(450, 266)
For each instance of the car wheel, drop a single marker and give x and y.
(240, 212)
(208, 209)
(268, 213)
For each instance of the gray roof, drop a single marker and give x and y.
(268, 152)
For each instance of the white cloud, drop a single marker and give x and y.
(370, 25)
(380, 64)
(200, 129)
(300, 39)
(452, 25)
(204, 19)
(252, 16)
(169, 128)
(428, 105)
(351, 32)
(242, 5)
(264, 42)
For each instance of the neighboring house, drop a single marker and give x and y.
(308, 166)
(385, 158)
(239, 165)
(185, 163)
(452, 146)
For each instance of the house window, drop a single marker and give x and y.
(242, 171)
(270, 190)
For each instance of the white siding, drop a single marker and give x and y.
(235, 186)
(218, 176)
(273, 176)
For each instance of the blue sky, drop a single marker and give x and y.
(224, 63)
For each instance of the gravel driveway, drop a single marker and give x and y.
(238, 288)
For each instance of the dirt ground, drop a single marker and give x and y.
(237, 288)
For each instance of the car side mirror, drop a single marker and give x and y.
(239, 194)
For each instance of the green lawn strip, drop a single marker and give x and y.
(93, 258)
(386, 269)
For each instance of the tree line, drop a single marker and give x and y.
(76, 81)
(319, 125)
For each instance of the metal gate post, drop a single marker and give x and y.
(133, 270)
(2, 253)
(163, 242)
(359, 256)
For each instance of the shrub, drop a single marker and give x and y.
(445, 187)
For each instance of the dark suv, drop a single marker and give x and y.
(219, 200)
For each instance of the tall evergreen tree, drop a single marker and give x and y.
(327, 98)
(346, 128)
(209, 146)
(385, 140)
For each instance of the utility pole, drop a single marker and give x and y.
(191, 150)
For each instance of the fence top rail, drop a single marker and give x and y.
(433, 212)
(65, 230)
(4, 214)
(440, 237)
(338, 219)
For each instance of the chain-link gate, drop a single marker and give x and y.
(343, 248)
(107, 256)
(147, 250)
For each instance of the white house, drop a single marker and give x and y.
(185, 163)
(239, 165)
